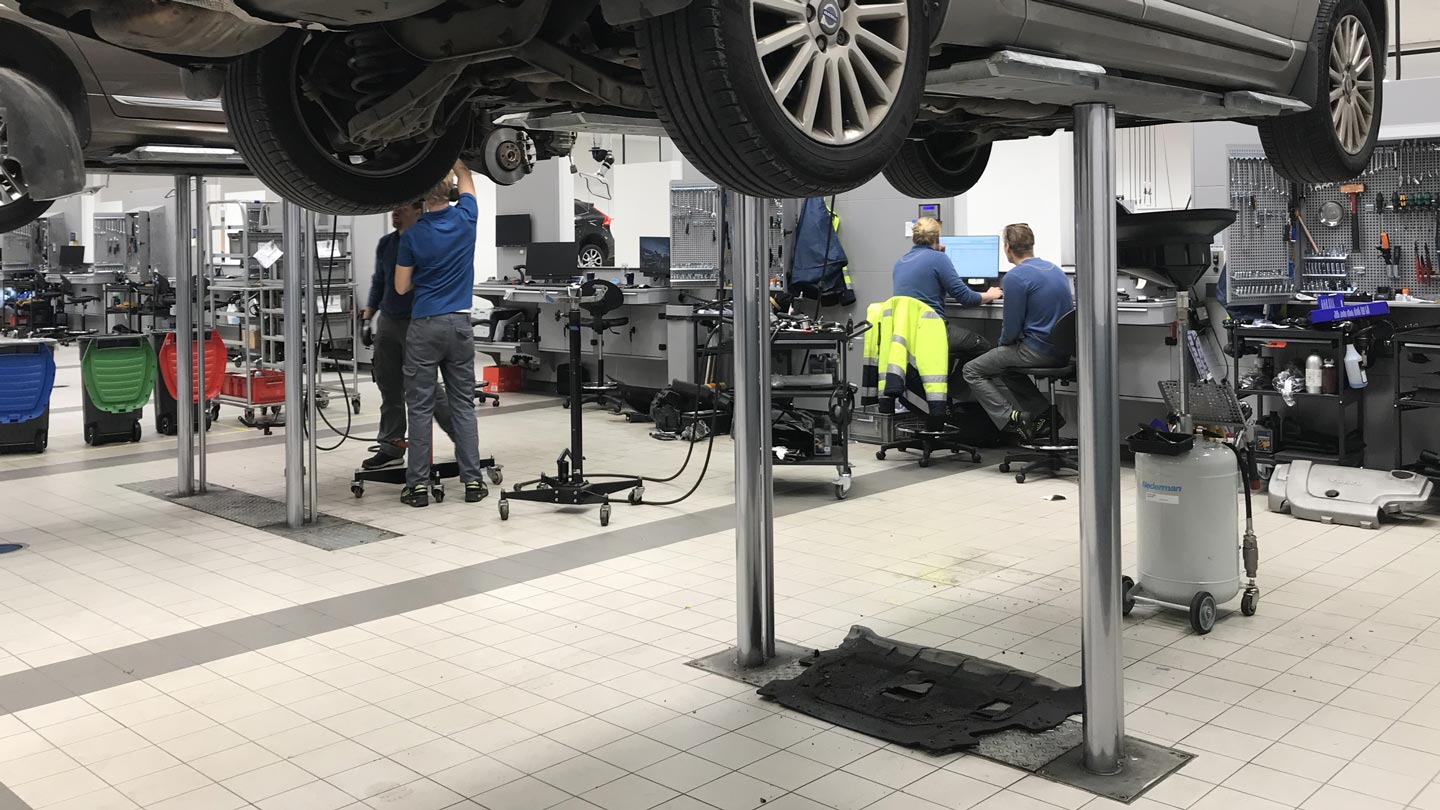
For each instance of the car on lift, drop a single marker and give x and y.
(593, 237)
(355, 106)
(123, 112)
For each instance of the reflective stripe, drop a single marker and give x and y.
(935, 378)
(930, 313)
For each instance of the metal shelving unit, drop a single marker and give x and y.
(836, 345)
(1423, 339)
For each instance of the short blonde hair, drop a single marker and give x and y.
(1020, 239)
(439, 193)
(927, 231)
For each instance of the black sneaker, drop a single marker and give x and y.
(381, 460)
(475, 492)
(415, 496)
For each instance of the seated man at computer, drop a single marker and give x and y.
(927, 274)
(1037, 296)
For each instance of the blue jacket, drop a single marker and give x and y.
(383, 298)
(819, 260)
(1037, 296)
(927, 274)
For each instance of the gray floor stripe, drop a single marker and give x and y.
(71, 409)
(81, 676)
(9, 801)
(260, 440)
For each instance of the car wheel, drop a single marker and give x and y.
(290, 140)
(592, 256)
(780, 98)
(942, 165)
(1335, 139)
(17, 208)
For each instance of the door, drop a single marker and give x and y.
(1259, 27)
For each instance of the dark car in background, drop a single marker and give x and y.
(70, 103)
(592, 236)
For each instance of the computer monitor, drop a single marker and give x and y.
(655, 255)
(513, 230)
(72, 256)
(556, 260)
(976, 258)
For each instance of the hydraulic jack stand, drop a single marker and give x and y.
(569, 486)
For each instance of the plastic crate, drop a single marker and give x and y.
(267, 387)
(869, 426)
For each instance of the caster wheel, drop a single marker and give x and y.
(136, 432)
(1250, 603)
(880, 454)
(274, 410)
(496, 474)
(925, 461)
(494, 403)
(1005, 467)
(438, 493)
(565, 404)
(248, 417)
(1020, 478)
(355, 406)
(504, 510)
(357, 490)
(617, 410)
(637, 496)
(605, 514)
(974, 458)
(1127, 601)
(841, 492)
(42, 440)
(165, 425)
(215, 412)
(1203, 613)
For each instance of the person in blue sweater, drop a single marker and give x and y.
(1037, 296)
(437, 261)
(927, 274)
(389, 313)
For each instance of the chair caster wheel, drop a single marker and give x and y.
(1005, 467)
(1020, 478)
(358, 490)
(604, 514)
(1127, 601)
(637, 496)
(925, 461)
(974, 458)
(504, 510)
(880, 455)
(496, 474)
(438, 494)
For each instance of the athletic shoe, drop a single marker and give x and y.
(415, 496)
(381, 460)
(475, 492)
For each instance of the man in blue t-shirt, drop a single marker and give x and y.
(1037, 296)
(927, 274)
(437, 261)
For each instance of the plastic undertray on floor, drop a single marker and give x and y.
(1345, 495)
(922, 697)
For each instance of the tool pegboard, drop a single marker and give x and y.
(1400, 199)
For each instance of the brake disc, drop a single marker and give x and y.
(509, 155)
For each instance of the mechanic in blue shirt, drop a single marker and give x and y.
(437, 261)
(389, 314)
(1037, 296)
(927, 274)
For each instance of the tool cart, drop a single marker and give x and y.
(810, 365)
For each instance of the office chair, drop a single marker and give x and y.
(1051, 454)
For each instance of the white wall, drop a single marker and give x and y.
(1029, 181)
(641, 206)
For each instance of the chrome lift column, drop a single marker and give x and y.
(1099, 382)
(202, 259)
(294, 225)
(184, 340)
(754, 493)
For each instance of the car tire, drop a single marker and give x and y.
(271, 132)
(926, 170)
(19, 213)
(592, 255)
(1306, 147)
(712, 91)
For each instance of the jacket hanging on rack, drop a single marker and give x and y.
(819, 262)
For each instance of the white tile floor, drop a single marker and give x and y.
(571, 691)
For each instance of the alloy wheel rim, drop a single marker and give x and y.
(834, 66)
(13, 187)
(590, 257)
(1352, 85)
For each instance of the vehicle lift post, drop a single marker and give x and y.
(184, 339)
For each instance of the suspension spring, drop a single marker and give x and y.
(377, 65)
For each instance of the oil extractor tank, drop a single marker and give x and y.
(1189, 525)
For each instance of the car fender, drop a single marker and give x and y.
(41, 135)
(32, 53)
(626, 12)
(1307, 88)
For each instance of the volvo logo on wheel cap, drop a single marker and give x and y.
(829, 17)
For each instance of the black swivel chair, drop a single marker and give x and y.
(69, 297)
(1051, 453)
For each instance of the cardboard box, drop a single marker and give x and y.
(503, 379)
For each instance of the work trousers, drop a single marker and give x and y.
(388, 369)
(999, 382)
(441, 346)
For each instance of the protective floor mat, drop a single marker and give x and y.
(267, 514)
(922, 697)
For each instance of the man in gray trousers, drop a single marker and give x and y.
(437, 261)
(390, 312)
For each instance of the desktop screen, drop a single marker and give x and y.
(655, 254)
(974, 257)
(552, 260)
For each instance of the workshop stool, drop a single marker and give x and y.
(1051, 453)
(603, 390)
(69, 297)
